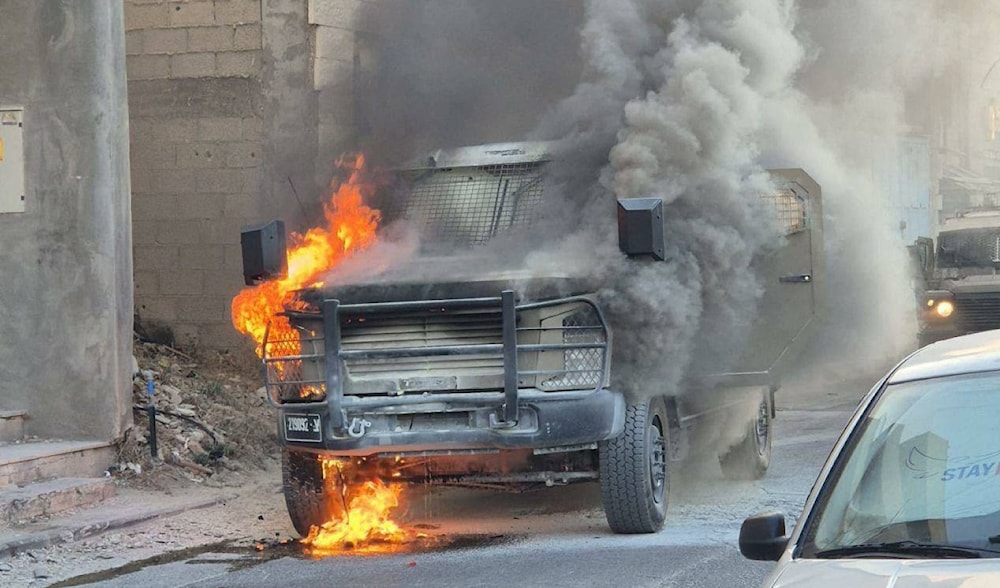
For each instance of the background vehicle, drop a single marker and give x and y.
(958, 286)
(911, 488)
(461, 369)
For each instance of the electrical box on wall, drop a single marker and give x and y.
(11, 159)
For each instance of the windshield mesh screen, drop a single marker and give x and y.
(979, 247)
(471, 204)
(789, 209)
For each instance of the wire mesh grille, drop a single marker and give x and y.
(977, 313)
(790, 210)
(472, 204)
(294, 367)
(970, 247)
(584, 367)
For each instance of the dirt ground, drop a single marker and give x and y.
(250, 512)
(211, 416)
(216, 439)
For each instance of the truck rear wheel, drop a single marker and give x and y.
(633, 470)
(750, 457)
(305, 496)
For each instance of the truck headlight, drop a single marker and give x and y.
(938, 304)
(944, 308)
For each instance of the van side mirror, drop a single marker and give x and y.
(923, 248)
(640, 227)
(263, 247)
(762, 537)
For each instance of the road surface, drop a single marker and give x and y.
(554, 537)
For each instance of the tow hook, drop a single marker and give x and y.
(358, 427)
(496, 423)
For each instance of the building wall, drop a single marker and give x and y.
(290, 119)
(341, 55)
(236, 118)
(194, 90)
(985, 100)
(66, 292)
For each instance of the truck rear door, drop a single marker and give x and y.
(792, 277)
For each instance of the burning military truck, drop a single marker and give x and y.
(457, 369)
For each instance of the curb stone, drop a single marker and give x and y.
(13, 542)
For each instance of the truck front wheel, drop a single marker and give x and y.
(305, 496)
(633, 470)
(750, 457)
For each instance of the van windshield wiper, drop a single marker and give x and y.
(905, 548)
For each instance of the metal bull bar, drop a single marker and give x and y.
(332, 311)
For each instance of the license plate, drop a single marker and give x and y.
(303, 427)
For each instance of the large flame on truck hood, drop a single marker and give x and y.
(350, 226)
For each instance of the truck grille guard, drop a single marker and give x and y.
(286, 378)
(977, 312)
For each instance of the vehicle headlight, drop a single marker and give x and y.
(944, 308)
(938, 305)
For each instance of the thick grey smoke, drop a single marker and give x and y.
(876, 71)
(679, 112)
(448, 73)
(690, 101)
(670, 104)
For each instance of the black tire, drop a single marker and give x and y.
(750, 457)
(302, 483)
(633, 469)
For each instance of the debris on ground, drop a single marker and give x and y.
(215, 436)
(211, 417)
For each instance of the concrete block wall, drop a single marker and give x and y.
(238, 109)
(196, 119)
(340, 56)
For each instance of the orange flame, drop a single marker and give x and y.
(362, 510)
(350, 226)
(362, 505)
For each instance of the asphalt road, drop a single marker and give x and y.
(554, 537)
(558, 536)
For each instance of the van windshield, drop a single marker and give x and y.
(969, 247)
(469, 205)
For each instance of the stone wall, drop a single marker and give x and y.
(194, 86)
(341, 55)
(238, 109)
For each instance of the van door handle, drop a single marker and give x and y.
(796, 279)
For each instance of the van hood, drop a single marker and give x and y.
(974, 284)
(887, 573)
(452, 276)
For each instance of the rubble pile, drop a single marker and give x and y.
(211, 416)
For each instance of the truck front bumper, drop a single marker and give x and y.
(465, 422)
